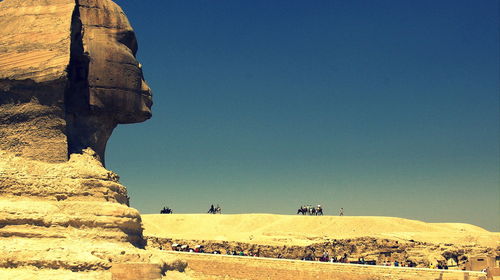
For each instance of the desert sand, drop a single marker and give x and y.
(298, 230)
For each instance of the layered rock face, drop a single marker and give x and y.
(68, 77)
(34, 54)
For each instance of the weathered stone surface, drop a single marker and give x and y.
(223, 267)
(107, 85)
(68, 76)
(34, 54)
(35, 40)
(133, 271)
(72, 215)
(115, 77)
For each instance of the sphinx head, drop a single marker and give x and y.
(68, 77)
(107, 78)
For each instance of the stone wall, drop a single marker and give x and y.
(234, 267)
(135, 271)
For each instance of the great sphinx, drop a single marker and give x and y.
(68, 77)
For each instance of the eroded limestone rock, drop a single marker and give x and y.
(34, 55)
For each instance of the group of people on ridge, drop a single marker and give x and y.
(304, 210)
(214, 210)
(310, 210)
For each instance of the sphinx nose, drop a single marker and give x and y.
(147, 97)
(146, 89)
(144, 86)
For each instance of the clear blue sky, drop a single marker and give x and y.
(386, 108)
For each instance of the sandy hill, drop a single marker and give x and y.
(304, 230)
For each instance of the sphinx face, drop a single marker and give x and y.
(116, 83)
(107, 86)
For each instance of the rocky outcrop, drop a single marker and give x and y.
(68, 77)
(371, 249)
(72, 197)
